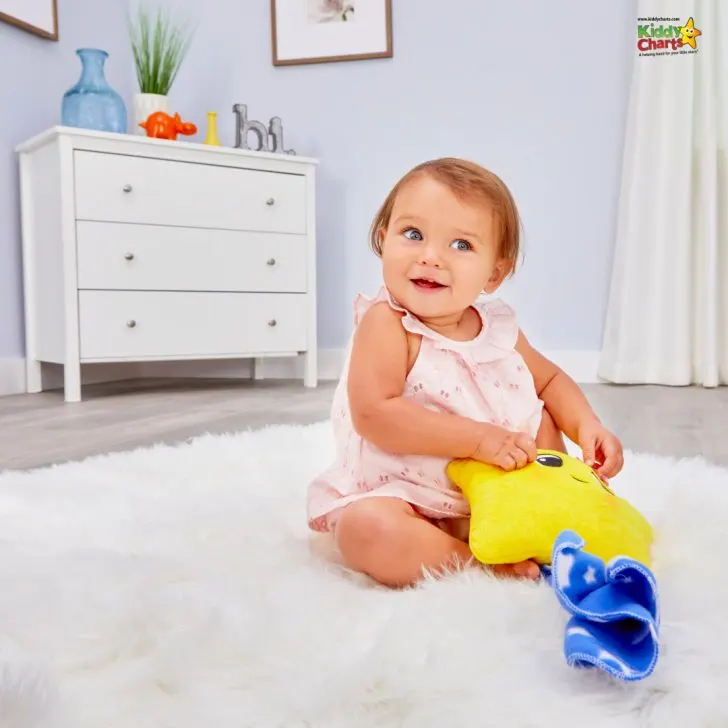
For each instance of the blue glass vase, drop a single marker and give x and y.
(92, 103)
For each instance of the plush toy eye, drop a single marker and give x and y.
(550, 461)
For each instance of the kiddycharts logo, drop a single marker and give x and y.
(666, 37)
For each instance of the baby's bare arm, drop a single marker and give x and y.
(561, 395)
(383, 416)
(380, 413)
(572, 413)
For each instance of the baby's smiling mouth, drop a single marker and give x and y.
(427, 284)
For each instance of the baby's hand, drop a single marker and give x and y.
(601, 449)
(505, 449)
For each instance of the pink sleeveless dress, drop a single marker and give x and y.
(484, 379)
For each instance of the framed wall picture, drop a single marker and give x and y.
(36, 16)
(324, 31)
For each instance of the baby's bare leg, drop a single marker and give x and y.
(549, 436)
(388, 540)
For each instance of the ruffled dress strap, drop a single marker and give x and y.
(363, 303)
(499, 334)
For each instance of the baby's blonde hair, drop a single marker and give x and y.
(470, 182)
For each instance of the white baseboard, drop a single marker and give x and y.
(12, 375)
(92, 374)
(330, 364)
(579, 365)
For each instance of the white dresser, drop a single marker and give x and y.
(138, 249)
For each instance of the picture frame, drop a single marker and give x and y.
(329, 31)
(39, 17)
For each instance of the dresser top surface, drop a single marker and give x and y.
(142, 145)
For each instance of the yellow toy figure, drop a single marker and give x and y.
(593, 548)
(518, 515)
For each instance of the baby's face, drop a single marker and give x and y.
(439, 253)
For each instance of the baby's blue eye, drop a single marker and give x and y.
(462, 244)
(410, 232)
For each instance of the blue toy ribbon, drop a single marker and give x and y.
(615, 615)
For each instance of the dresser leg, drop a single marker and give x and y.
(33, 376)
(72, 382)
(310, 368)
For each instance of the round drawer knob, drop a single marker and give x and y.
(270, 201)
(131, 323)
(127, 188)
(129, 256)
(272, 322)
(271, 261)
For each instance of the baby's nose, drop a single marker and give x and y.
(430, 256)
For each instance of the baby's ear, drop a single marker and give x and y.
(497, 276)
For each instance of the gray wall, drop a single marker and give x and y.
(34, 75)
(535, 91)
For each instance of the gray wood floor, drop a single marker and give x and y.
(38, 430)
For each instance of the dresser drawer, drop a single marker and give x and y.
(166, 325)
(152, 257)
(121, 188)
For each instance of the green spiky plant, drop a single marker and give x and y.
(159, 47)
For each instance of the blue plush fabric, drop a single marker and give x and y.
(615, 613)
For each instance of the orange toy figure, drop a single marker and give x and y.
(161, 125)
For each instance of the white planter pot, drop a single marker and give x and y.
(146, 104)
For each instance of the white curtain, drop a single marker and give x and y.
(667, 317)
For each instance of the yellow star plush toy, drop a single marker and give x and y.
(518, 515)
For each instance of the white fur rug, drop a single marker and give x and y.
(173, 588)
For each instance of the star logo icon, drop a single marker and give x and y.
(689, 33)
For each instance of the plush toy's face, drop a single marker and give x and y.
(517, 515)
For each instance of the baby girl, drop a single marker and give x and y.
(436, 372)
